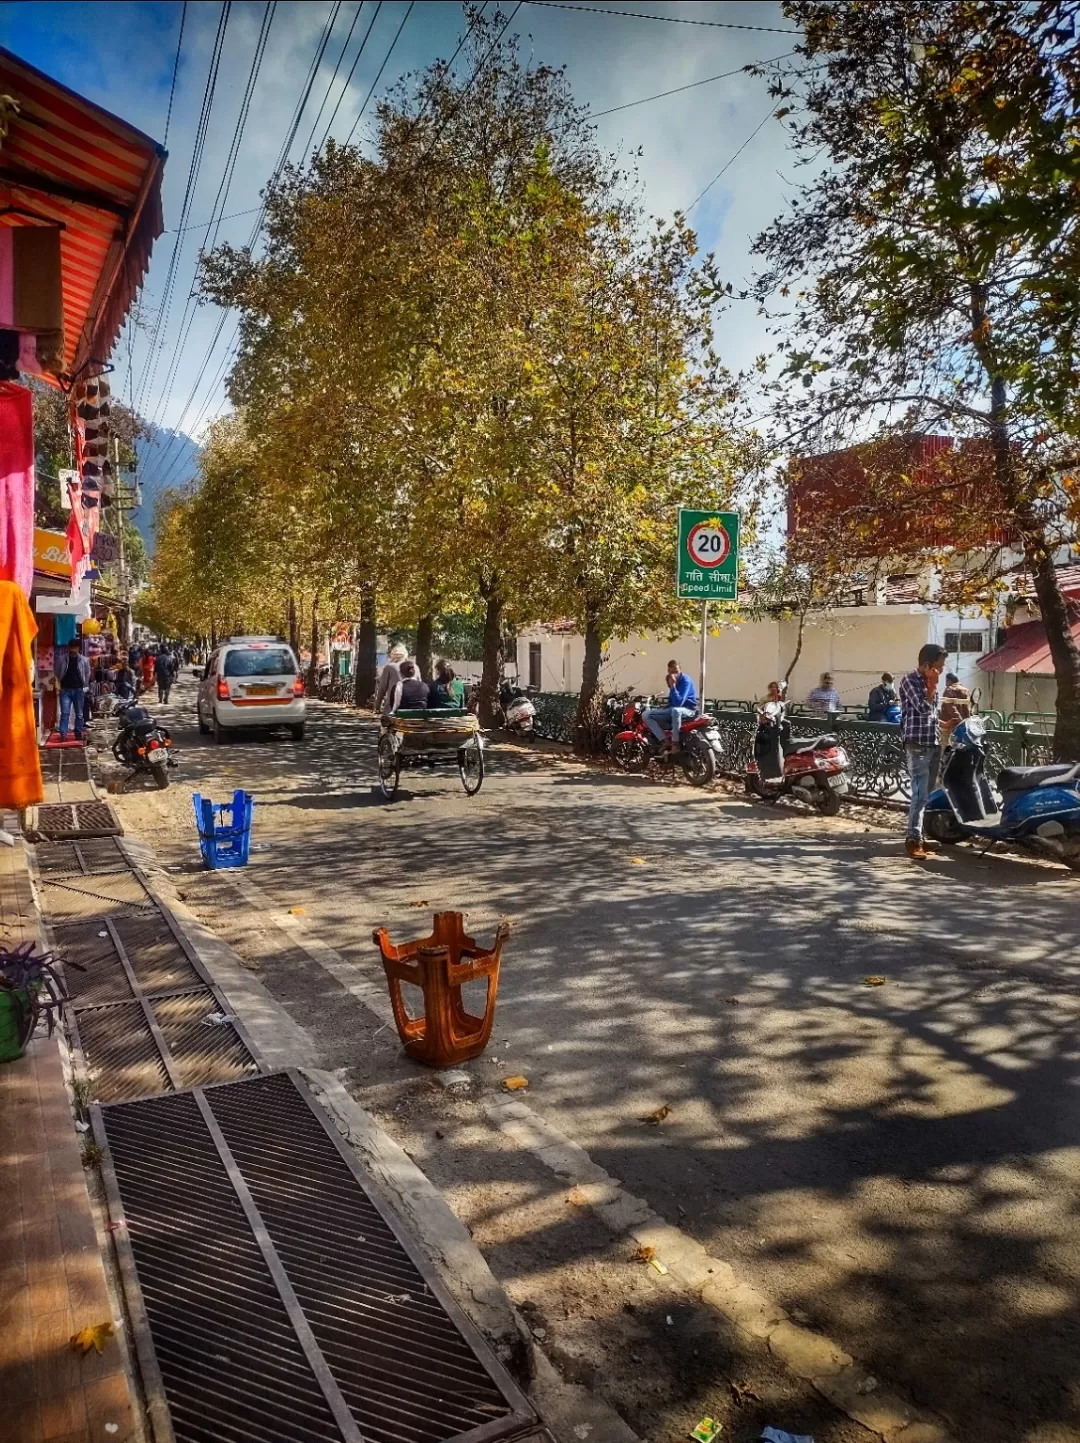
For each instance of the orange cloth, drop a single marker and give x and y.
(147, 664)
(20, 764)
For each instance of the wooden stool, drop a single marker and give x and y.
(439, 965)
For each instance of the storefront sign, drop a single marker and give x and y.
(51, 553)
(106, 548)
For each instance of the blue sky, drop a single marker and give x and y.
(121, 55)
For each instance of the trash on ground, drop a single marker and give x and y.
(297, 911)
(645, 1253)
(654, 1119)
(660, 1267)
(777, 1435)
(733, 1001)
(92, 1336)
(638, 861)
(81, 1126)
(103, 934)
(420, 904)
(515, 1084)
(873, 981)
(706, 1430)
(743, 1393)
(670, 1321)
(216, 1019)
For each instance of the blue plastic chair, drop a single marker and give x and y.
(224, 842)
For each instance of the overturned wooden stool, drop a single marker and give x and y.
(440, 965)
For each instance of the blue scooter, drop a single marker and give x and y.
(1039, 809)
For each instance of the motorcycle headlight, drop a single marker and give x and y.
(842, 756)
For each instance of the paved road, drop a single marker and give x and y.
(898, 1163)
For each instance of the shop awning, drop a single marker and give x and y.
(67, 161)
(1026, 649)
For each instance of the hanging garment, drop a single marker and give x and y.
(64, 629)
(16, 485)
(20, 764)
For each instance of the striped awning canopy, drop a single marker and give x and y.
(66, 161)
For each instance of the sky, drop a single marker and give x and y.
(122, 56)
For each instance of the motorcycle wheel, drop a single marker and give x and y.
(699, 765)
(827, 800)
(755, 787)
(160, 773)
(942, 827)
(631, 756)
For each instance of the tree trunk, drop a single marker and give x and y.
(313, 664)
(367, 648)
(424, 630)
(294, 627)
(798, 649)
(588, 733)
(491, 680)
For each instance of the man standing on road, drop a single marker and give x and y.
(920, 728)
(164, 672)
(682, 702)
(74, 679)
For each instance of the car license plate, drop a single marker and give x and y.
(261, 690)
(838, 780)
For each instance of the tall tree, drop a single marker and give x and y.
(922, 250)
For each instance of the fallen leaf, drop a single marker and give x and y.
(645, 1254)
(420, 904)
(743, 1393)
(638, 861)
(733, 1001)
(576, 1198)
(654, 1119)
(92, 1336)
(515, 1084)
(296, 911)
(874, 981)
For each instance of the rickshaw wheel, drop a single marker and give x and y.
(471, 767)
(389, 768)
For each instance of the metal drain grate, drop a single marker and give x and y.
(62, 820)
(67, 899)
(162, 1044)
(157, 959)
(281, 1298)
(91, 855)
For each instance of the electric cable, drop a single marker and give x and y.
(374, 83)
(709, 79)
(337, 67)
(730, 161)
(667, 19)
(175, 71)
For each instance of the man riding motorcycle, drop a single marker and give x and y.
(682, 704)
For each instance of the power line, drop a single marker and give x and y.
(175, 70)
(209, 89)
(661, 95)
(382, 67)
(667, 19)
(206, 224)
(730, 162)
(224, 186)
(337, 67)
(279, 165)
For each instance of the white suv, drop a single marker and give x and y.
(251, 681)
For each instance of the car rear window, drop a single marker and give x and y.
(260, 661)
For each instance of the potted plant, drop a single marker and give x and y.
(29, 989)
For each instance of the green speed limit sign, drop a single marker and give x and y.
(708, 567)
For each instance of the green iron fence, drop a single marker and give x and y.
(876, 751)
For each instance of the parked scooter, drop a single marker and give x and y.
(518, 709)
(811, 769)
(143, 744)
(1039, 808)
(699, 752)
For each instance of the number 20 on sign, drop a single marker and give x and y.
(708, 568)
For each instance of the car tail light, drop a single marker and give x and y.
(222, 689)
(298, 686)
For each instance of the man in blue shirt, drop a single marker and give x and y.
(682, 702)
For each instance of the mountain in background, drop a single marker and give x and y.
(166, 462)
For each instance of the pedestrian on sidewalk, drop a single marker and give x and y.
(920, 728)
(955, 706)
(882, 697)
(146, 670)
(74, 680)
(824, 698)
(390, 675)
(164, 673)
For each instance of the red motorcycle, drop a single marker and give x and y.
(811, 769)
(635, 747)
